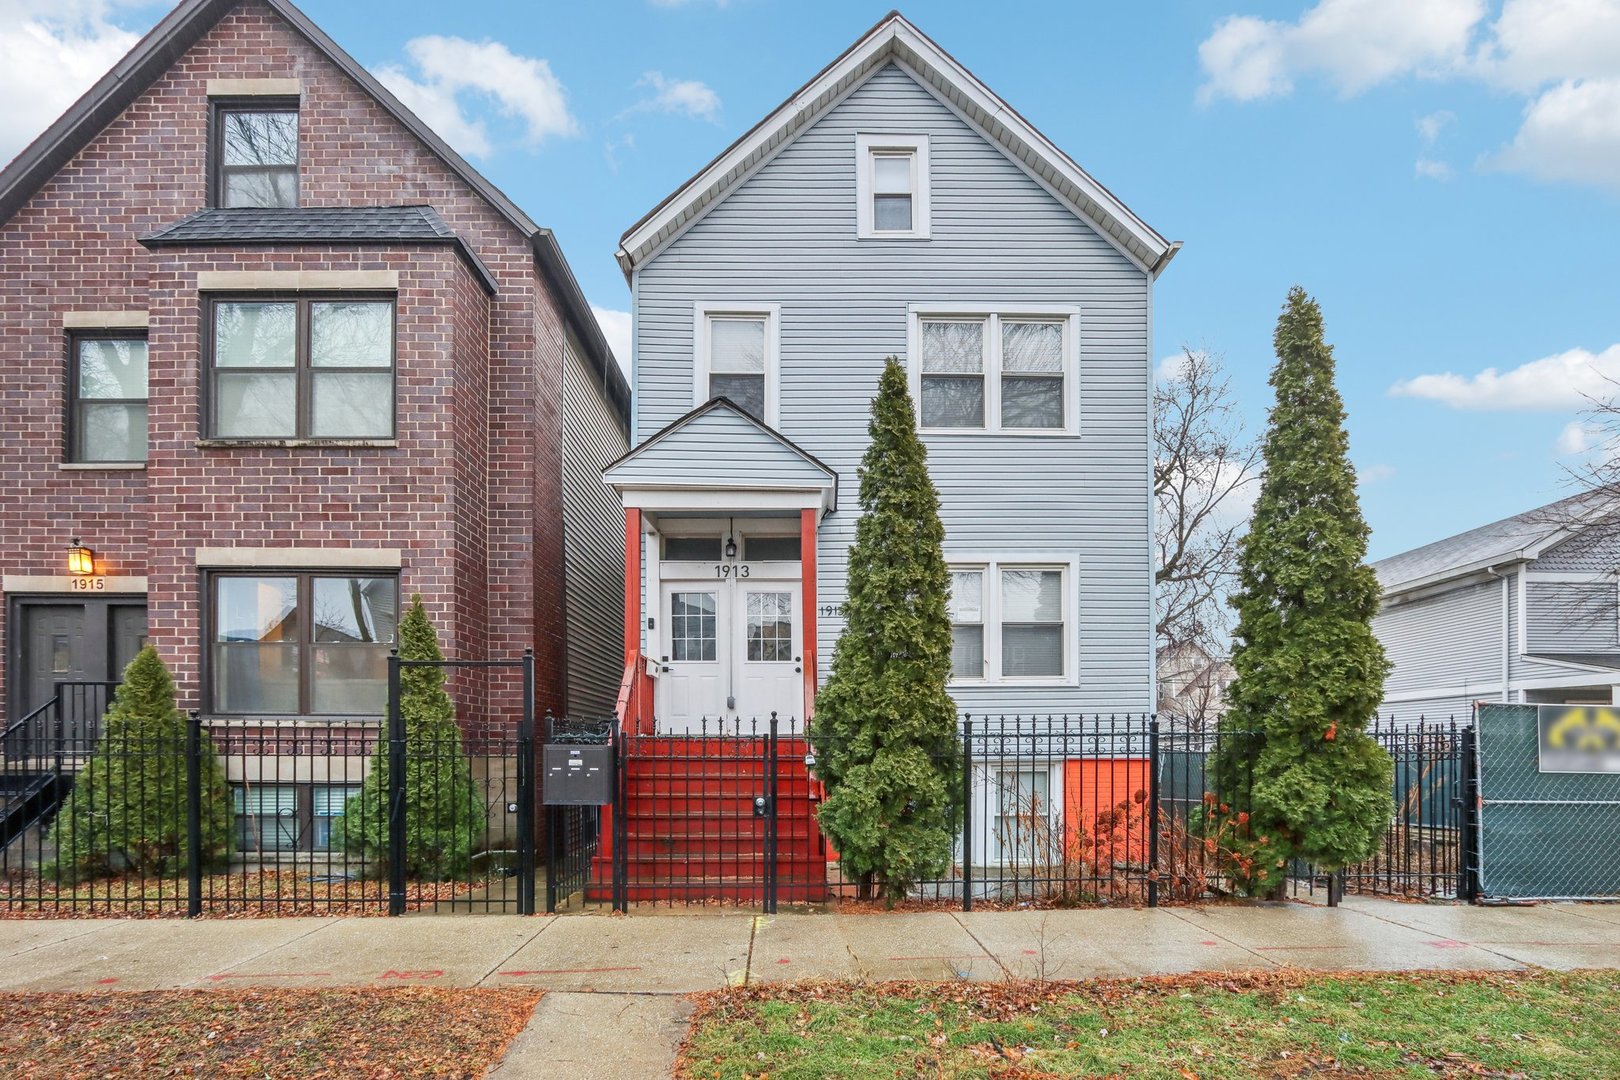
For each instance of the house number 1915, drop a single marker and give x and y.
(89, 584)
(725, 570)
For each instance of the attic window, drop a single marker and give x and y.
(255, 153)
(892, 186)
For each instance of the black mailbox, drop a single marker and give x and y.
(578, 775)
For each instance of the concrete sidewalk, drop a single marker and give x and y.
(647, 960)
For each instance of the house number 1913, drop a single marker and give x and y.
(725, 570)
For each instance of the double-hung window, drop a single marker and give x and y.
(255, 148)
(996, 372)
(967, 624)
(107, 399)
(892, 187)
(301, 367)
(1012, 620)
(737, 359)
(301, 643)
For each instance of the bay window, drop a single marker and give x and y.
(301, 643)
(1013, 372)
(287, 368)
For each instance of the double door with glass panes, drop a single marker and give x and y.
(730, 650)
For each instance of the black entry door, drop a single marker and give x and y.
(79, 641)
(54, 650)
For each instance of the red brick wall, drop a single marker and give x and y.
(472, 491)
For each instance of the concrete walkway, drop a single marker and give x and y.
(614, 1007)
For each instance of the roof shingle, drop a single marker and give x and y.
(251, 225)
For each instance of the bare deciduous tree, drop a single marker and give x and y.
(1202, 461)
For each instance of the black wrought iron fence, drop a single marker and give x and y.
(287, 818)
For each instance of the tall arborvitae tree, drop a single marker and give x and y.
(885, 729)
(1310, 673)
(127, 810)
(443, 813)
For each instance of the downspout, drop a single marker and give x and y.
(1507, 626)
(1152, 502)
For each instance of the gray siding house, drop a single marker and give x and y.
(1521, 610)
(892, 206)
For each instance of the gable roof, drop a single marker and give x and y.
(245, 226)
(1515, 539)
(757, 457)
(895, 39)
(182, 28)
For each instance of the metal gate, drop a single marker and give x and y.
(1542, 835)
(723, 815)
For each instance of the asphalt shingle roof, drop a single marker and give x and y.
(249, 225)
(1500, 541)
(307, 224)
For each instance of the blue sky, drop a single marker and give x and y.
(1443, 175)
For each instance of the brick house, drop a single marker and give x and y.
(280, 358)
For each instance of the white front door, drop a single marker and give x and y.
(730, 650)
(770, 660)
(694, 671)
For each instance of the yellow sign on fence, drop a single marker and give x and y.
(1578, 738)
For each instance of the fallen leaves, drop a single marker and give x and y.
(309, 1034)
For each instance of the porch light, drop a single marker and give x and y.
(81, 560)
(731, 547)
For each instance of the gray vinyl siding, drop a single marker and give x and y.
(593, 542)
(787, 236)
(1450, 641)
(688, 457)
(1438, 710)
(1569, 617)
(1596, 551)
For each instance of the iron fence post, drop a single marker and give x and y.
(194, 844)
(772, 820)
(1153, 811)
(526, 793)
(967, 812)
(396, 790)
(620, 869)
(1468, 884)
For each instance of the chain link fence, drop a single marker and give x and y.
(1542, 835)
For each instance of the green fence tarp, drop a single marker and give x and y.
(1542, 835)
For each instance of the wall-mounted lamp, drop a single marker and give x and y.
(731, 547)
(81, 560)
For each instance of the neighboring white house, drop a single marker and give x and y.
(1525, 610)
(1192, 682)
(893, 206)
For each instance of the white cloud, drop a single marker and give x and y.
(1432, 169)
(1430, 126)
(1578, 437)
(1570, 133)
(1374, 474)
(1535, 42)
(452, 73)
(53, 53)
(686, 97)
(616, 328)
(1353, 44)
(1561, 56)
(1566, 380)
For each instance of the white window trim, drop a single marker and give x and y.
(990, 615)
(993, 314)
(772, 314)
(921, 204)
(987, 803)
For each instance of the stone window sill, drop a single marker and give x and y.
(102, 466)
(297, 444)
